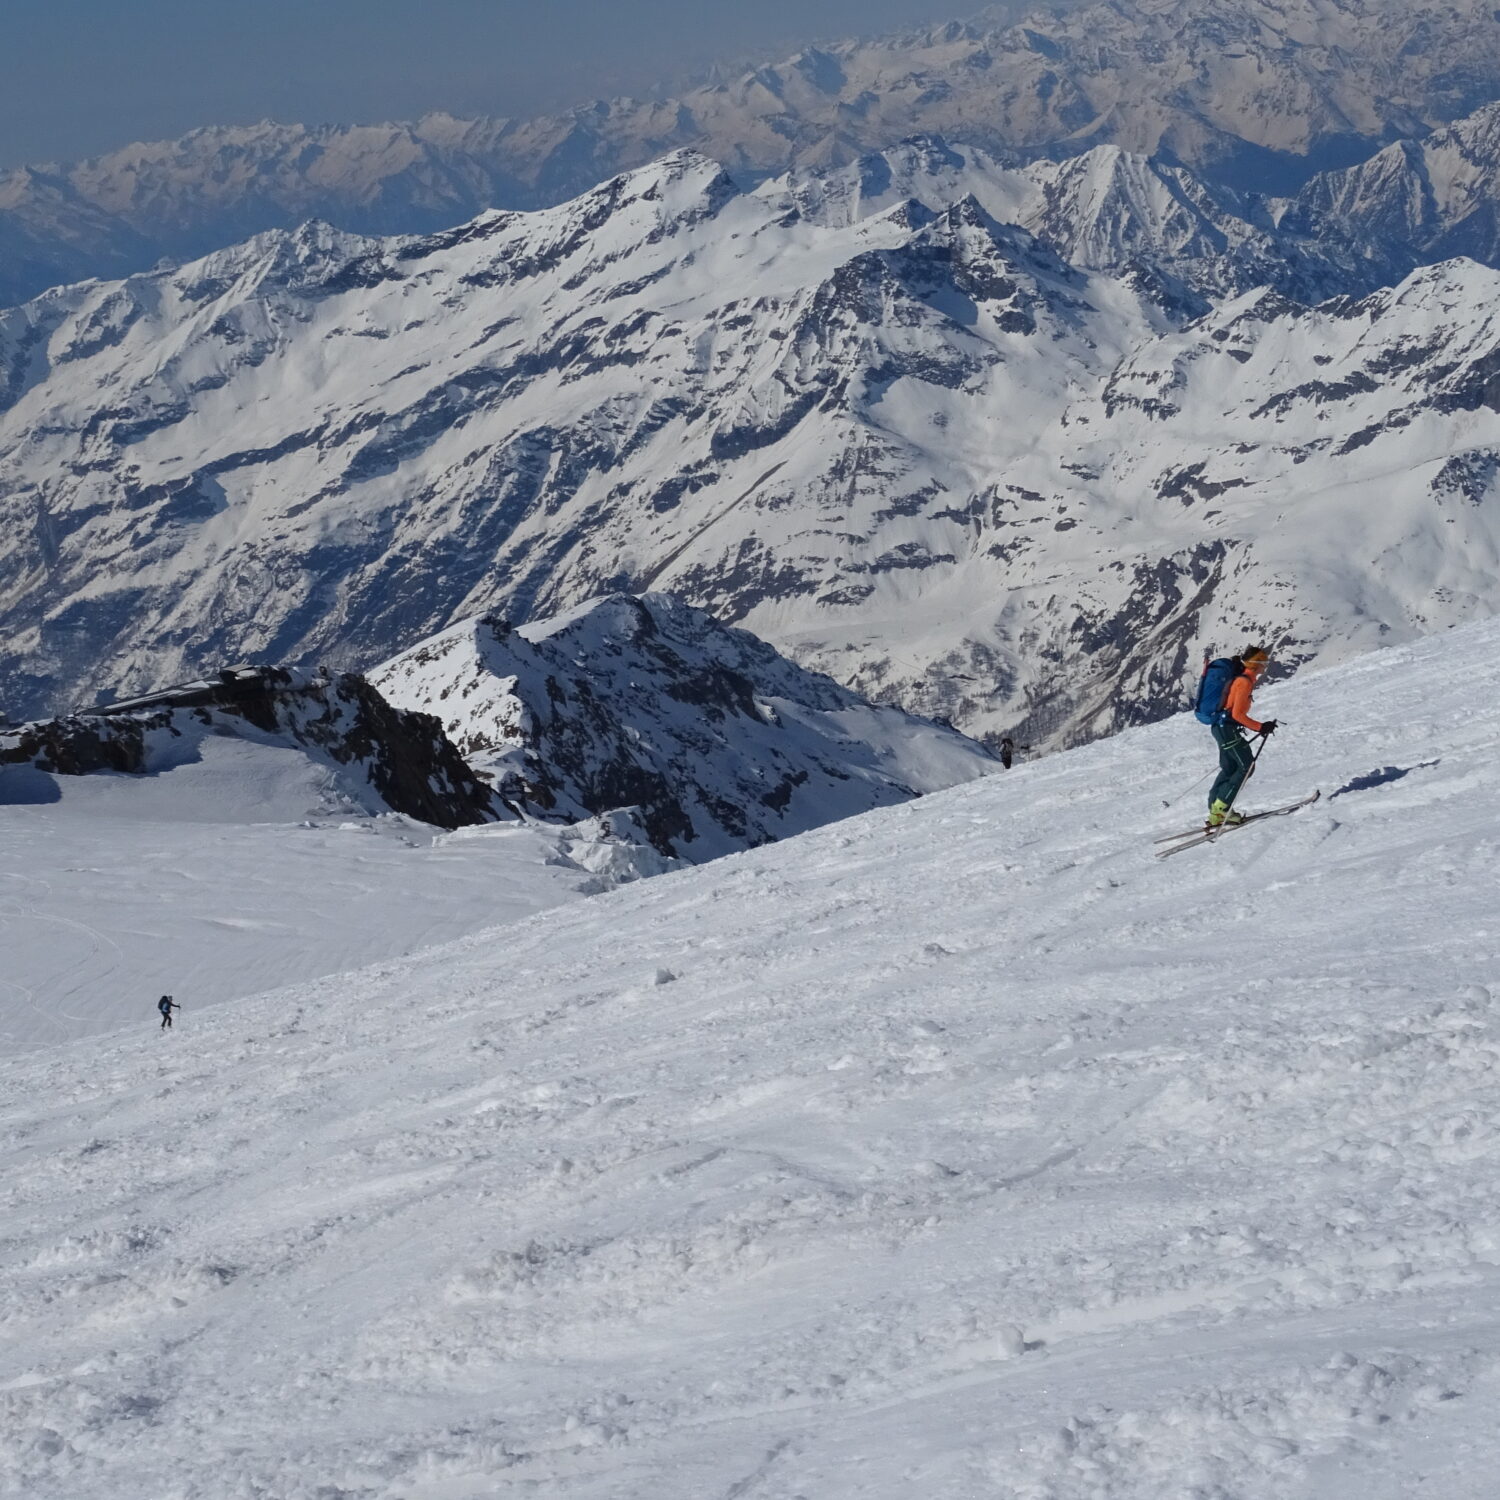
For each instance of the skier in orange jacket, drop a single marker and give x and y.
(1235, 759)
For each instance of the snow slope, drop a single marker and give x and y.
(962, 1149)
(223, 876)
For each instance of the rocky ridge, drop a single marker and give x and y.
(631, 722)
(708, 738)
(1183, 242)
(385, 759)
(1414, 203)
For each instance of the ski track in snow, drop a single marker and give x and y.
(962, 1149)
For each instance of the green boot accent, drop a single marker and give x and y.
(1221, 813)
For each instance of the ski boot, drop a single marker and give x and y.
(1222, 815)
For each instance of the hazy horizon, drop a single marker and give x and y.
(82, 77)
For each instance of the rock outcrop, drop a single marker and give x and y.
(706, 738)
(398, 759)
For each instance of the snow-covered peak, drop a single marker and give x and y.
(1105, 209)
(1417, 200)
(328, 396)
(896, 446)
(705, 738)
(925, 169)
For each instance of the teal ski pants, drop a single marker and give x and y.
(1234, 763)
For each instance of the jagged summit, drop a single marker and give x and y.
(707, 738)
(1417, 200)
(640, 719)
(1109, 209)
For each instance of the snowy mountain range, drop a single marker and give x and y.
(918, 450)
(1256, 94)
(1182, 242)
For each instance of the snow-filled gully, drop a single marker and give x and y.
(962, 1149)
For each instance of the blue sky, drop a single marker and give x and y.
(81, 76)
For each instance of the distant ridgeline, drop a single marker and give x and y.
(1254, 98)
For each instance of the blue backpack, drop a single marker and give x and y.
(1214, 688)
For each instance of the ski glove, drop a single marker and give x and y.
(1268, 727)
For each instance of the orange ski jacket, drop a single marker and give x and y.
(1237, 702)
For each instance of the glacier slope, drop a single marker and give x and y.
(957, 1149)
(224, 876)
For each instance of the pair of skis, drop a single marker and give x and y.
(1190, 838)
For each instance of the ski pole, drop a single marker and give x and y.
(1251, 772)
(1199, 782)
(1254, 758)
(1213, 770)
(1263, 738)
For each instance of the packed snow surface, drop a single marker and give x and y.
(961, 1149)
(226, 876)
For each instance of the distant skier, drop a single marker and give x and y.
(1008, 748)
(166, 1005)
(1224, 705)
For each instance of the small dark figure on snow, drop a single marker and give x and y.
(1224, 705)
(166, 1005)
(1008, 748)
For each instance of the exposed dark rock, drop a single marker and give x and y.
(1471, 475)
(404, 756)
(1186, 483)
(1317, 391)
